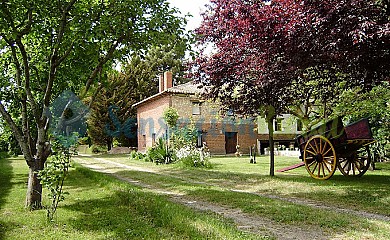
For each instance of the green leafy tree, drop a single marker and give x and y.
(315, 95)
(374, 105)
(49, 46)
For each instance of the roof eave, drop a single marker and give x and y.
(149, 98)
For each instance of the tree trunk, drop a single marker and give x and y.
(270, 115)
(34, 187)
(271, 146)
(109, 144)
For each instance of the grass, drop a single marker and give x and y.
(370, 193)
(101, 207)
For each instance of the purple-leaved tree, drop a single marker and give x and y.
(262, 48)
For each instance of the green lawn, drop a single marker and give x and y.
(370, 193)
(101, 207)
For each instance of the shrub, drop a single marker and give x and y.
(85, 141)
(171, 116)
(194, 157)
(98, 149)
(135, 155)
(160, 153)
(184, 136)
(3, 155)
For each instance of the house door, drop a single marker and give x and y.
(230, 142)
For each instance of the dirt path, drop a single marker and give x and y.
(244, 221)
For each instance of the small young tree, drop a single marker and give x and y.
(171, 116)
(56, 170)
(183, 140)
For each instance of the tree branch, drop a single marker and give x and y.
(15, 60)
(26, 65)
(101, 63)
(27, 27)
(66, 54)
(25, 124)
(23, 143)
(54, 60)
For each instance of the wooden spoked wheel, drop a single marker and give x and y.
(320, 158)
(356, 164)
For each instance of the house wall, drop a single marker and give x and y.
(289, 125)
(150, 121)
(184, 103)
(213, 126)
(284, 136)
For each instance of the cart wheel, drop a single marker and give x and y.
(356, 164)
(320, 158)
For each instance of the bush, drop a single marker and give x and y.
(194, 157)
(85, 141)
(3, 155)
(98, 149)
(160, 153)
(3, 145)
(135, 155)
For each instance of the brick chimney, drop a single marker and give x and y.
(165, 81)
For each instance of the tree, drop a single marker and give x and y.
(262, 48)
(315, 95)
(374, 105)
(49, 46)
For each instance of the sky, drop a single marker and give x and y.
(194, 7)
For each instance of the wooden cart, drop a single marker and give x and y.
(331, 145)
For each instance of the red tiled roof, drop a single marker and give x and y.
(187, 88)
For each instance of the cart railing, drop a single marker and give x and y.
(359, 130)
(332, 129)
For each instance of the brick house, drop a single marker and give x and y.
(286, 128)
(221, 133)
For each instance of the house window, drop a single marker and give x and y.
(196, 108)
(278, 124)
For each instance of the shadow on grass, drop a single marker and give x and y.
(368, 193)
(126, 212)
(6, 226)
(372, 188)
(125, 216)
(6, 174)
(285, 212)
